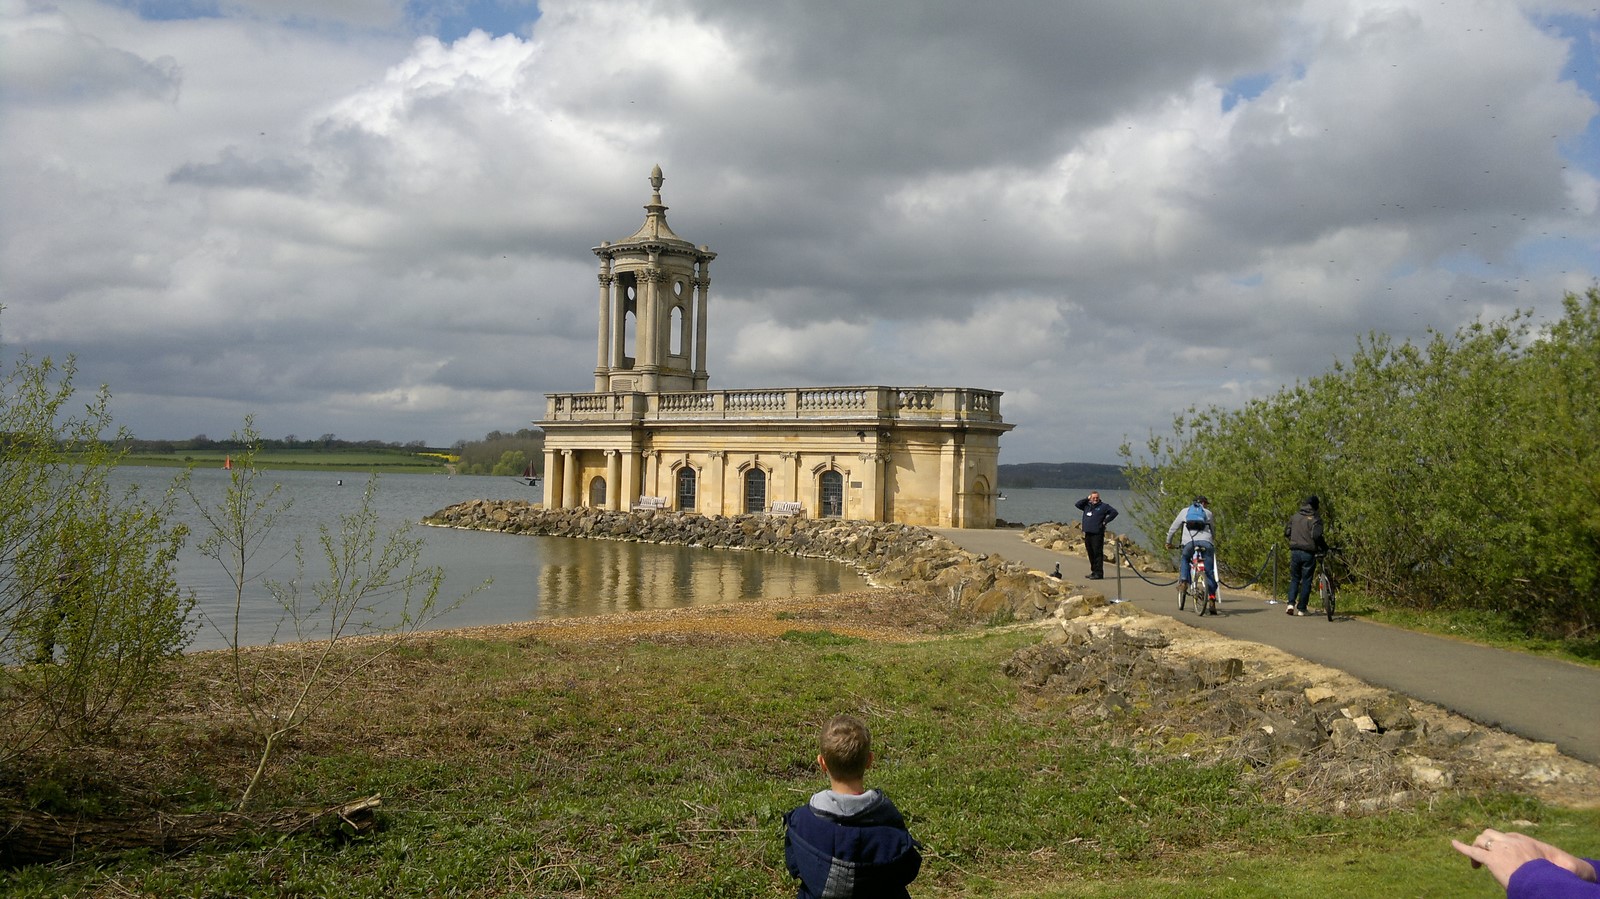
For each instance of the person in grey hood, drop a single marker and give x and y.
(1304, 532)
(848, 840)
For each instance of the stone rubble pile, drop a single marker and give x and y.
(1360, 750)
(888, 555)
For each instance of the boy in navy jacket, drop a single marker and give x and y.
(848, 840)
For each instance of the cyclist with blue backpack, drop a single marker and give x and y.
(1199, 532)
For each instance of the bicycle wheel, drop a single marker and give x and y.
(1325, 589)
(1197, 593)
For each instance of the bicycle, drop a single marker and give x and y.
(1196, 587)
(1327, 586)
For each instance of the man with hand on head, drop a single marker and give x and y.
(1096, 515)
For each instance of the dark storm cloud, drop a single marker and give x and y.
(1108, 211)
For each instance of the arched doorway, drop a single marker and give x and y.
(597, 493)
(830, 494)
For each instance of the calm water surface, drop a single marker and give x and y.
(533, 577)
(1035, 505)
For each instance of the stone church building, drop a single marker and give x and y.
(654, 435)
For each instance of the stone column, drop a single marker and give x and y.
(614, 498)
(652, 473)
(702, 287)
(602, 364)
(715, 476)
(630, 480)
(569, 480)
(951, 478)
(650, 328)
(874, 485)
(553, 474)
(791, 464)
(619, 324)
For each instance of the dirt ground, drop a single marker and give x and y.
(882, 616)
(898, 616)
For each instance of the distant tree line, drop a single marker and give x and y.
(501, 454)
(1087, 475)
(201, 442)
(1461, 473)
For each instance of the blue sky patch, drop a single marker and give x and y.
(447, 21)
(1245, 88)
(1583, 69)
(451, 21)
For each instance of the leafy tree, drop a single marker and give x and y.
(1461, 472)
(90, 614)
(1562, 445)
(511, 464)
(488, 456)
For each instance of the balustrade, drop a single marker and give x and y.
(833, 399)
(916, 403)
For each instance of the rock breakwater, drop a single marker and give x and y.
(888, 555)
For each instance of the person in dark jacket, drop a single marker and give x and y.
(1096, 515)
(848, 840)
(1304, 531)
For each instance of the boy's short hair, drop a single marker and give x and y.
(846, 746)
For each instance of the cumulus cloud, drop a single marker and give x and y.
(44, 59)
(370, 219)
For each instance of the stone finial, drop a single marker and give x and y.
(655, 181)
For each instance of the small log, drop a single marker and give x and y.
(29, 836)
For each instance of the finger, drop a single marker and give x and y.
(1472, 852)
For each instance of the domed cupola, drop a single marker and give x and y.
(653, 287)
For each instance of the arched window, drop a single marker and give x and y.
(630, 319)
(678, 331)
(687, 483)
(831, 500)
(755, 491)
(597, 493)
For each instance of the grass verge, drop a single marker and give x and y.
(662, 769)
(1475, 625)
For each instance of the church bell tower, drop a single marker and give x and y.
(653, 287)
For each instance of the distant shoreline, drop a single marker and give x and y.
(1062, 475)
(265, 462)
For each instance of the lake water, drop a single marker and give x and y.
(1035, 505)
(533, 577)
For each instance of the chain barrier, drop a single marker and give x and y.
(1255, 579)
(1133, 568)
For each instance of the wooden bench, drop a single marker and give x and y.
(651, 504)
(784, 510)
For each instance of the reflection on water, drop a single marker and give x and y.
(596, 577)
(532, 577)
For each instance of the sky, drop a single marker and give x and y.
(374, 218)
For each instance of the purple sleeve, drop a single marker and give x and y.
(1540, 879)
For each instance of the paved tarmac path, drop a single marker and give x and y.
(1542, 699)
